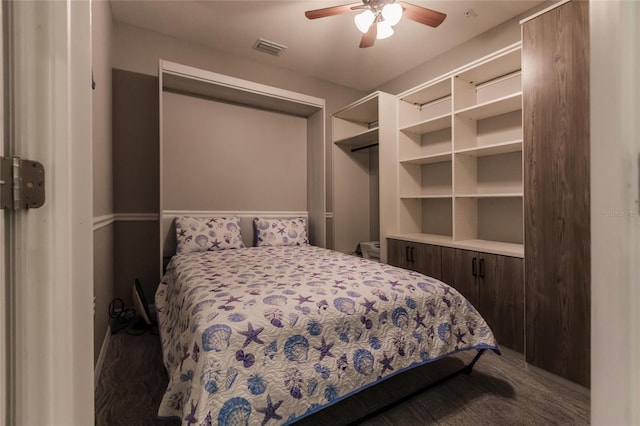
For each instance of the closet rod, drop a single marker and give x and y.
(364, 147)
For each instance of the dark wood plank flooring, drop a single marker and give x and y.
(501, 390)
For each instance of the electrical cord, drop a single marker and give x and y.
(123, 317)
(119, 312)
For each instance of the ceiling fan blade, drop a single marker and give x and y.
(369, 37)
(422, 15)
(330, 11)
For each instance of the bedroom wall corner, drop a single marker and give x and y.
(101, 31)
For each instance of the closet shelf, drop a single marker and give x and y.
(428, 159)
(425, 197)
(491, 195)
(367, 137)
(492, 108)
(429, 92)
(499, 66)
(493, 149)
(445, 240)
(429, 125)
(364, 110)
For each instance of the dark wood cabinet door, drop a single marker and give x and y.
(397, 254)
(426, 259)
(423, 258)
(448, 265)
(464, 278)
(501, 298)
(555, 77)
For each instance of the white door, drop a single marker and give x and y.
(48, 376)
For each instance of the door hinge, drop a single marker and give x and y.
(21, 184)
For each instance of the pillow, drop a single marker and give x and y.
(280, 232)
(196, 234)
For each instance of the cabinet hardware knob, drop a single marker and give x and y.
(413, 250)
(406, 254)
(481, 268)
(474, 267)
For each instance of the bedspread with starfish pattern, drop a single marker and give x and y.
(267, 335)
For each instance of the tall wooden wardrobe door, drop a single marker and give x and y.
(555, 74)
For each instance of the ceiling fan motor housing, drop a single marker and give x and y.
(377, 4)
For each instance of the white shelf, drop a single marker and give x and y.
(364, 110)
(429, 93)
(493, 149)
(493, 108)
(485, 246)
(497, 67)
(361, 139)
(428, 159)
(429, 125)
(495, 247)
(426, 197)
(444, 240)
(491, 195)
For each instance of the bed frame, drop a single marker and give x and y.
(466, 370)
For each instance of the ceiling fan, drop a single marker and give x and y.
(379, 16)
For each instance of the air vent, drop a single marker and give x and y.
(269, 47)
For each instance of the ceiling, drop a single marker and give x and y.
(325, 48)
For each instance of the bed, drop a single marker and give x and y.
(273, 333)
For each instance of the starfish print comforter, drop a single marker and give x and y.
(268, 335)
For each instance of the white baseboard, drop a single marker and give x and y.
(103, 353)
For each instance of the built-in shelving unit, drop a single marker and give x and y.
(460, 158)
(364, 164)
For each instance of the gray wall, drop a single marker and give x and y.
(102, 169)
(136, 171)
(235, 144)
(136, 255)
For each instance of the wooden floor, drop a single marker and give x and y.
(501, 390)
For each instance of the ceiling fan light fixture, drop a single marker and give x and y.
(379, 16)
(392, 13)
(364, 20)
(384, 30)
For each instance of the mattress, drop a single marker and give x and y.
(268, 335)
